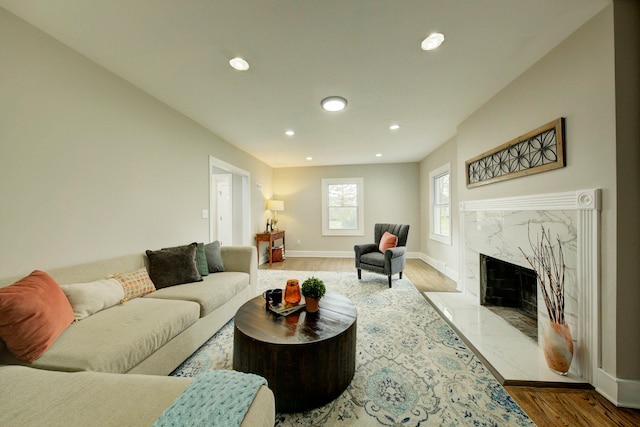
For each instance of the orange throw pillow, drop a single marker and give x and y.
(388, 241)
(33, 313)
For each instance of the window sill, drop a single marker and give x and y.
(441, 239)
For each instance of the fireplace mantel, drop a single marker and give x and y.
(577, 212)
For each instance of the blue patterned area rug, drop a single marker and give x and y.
(411, 367)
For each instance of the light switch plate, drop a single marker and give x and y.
(205, 213)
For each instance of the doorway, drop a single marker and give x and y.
(230, 207)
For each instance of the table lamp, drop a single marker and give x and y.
(275, 206)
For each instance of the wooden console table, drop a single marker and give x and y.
(270, 237)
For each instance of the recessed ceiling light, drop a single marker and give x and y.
(239, 64)
(334, 103)
(309, 158)
(289, 132)
(379, 155)
(432, 42)
(394, 127)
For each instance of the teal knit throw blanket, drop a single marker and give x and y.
(215, 398)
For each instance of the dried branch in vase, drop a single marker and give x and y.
(550, 268)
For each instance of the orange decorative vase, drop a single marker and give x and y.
(558, 347)
(292, 292)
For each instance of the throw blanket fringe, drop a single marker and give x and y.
(214, 398)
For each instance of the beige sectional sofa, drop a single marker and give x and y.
(150, 335)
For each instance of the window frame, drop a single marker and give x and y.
(433, 175)
(326, 230)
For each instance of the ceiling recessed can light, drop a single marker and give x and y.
(309, 158)
(334, 103)
(239, 64)
(432, 42)
(378, 154)
(394, 127)
(289, 132)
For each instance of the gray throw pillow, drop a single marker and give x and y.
(201, 260)
(214, 257)
(173, 266)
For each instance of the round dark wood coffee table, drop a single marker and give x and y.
(308, 359)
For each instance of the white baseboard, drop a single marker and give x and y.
(438, 265)
(320, 254)
(621, 392)
(335, 254)
(441, 267)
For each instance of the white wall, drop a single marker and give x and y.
(90, 166)
(627, 60)
(440, 254)
(575, 81)
(391, 196)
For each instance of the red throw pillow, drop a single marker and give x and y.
(33, 313)
(388, 241)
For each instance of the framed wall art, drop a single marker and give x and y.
(538, 151)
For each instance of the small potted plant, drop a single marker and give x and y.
(313, 289)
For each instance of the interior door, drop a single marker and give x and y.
(224, 208)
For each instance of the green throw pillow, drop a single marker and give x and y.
(201, 260)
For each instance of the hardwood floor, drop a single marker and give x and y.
(545, 406)
(422, 275)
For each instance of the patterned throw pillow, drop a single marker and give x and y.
(135, 283)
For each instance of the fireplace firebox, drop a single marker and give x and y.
(510, 291)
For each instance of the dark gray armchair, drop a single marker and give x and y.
(392, 261)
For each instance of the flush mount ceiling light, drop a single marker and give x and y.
(432, 42)
(394, 127)
(289, 132)
(334, 103)
(309, 158)
(378, 154)
(239, 64)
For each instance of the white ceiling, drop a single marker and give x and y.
(301, 51)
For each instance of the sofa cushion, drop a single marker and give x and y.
(373, 258)
(135, 283)
(33, 313)
(214, 291)
(89, 298)
(173, 266)
(118, 339)
(201, 260)
(47, 398)
(214, 257)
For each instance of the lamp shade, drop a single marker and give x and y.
(275, 205)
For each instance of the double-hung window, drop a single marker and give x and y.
(440, 191)
(342, 207)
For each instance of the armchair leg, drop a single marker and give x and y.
(389, 280)
(359, 274)
(401, 274)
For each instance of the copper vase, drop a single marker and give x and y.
(292, 292)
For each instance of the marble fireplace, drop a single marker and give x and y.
(502, 229)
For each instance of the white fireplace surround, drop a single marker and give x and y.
(587, 205)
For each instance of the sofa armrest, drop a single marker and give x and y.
(395, 252)
(243, 259)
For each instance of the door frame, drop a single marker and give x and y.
(245, 197)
